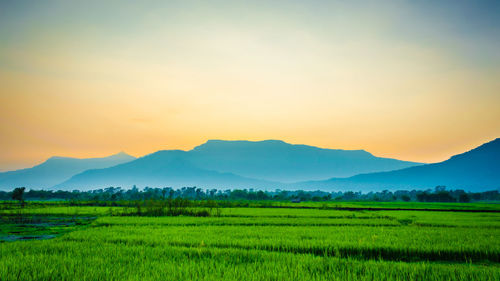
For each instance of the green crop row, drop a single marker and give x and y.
(85, 260)
(252, 244)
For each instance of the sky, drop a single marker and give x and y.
(412, 80)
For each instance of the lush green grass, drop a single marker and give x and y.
(397, 204)
(261, 244)
(478, 206)
(36, 227)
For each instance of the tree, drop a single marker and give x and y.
(464, 198)
(439, 188)
(18, 194)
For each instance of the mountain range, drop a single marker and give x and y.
(160, 169)
(56, 170)
(275, 160)
(475, 170)
(266, 164)
(236, 164)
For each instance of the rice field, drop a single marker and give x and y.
(253, 243)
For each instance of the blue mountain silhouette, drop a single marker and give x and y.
(264, 164)
(475, 170)
(235, 164)
(160, 169)
(276, 160)
(57, 169)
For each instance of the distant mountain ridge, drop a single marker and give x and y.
(236, 164)
(160, 169)
(56, 170)
(269, 164)
(276, 160)
(475, 170)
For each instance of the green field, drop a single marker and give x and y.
(306, 241)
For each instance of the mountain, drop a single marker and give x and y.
(57, 169)
(475, 170)
(275, 160)
(235, 164)
(161, 169)
(264, 164)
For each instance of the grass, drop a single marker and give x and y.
(258, 243)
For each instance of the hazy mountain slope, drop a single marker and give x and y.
(475, 170)
(160, 169)
(233, 164)
(56, 170)
(275, 160)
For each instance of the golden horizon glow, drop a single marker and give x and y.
(137, 78)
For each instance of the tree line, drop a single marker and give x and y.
(438, 194)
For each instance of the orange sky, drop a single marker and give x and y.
(75, 83)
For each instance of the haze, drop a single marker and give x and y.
(412, 80)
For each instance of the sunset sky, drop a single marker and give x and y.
(413, 80)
